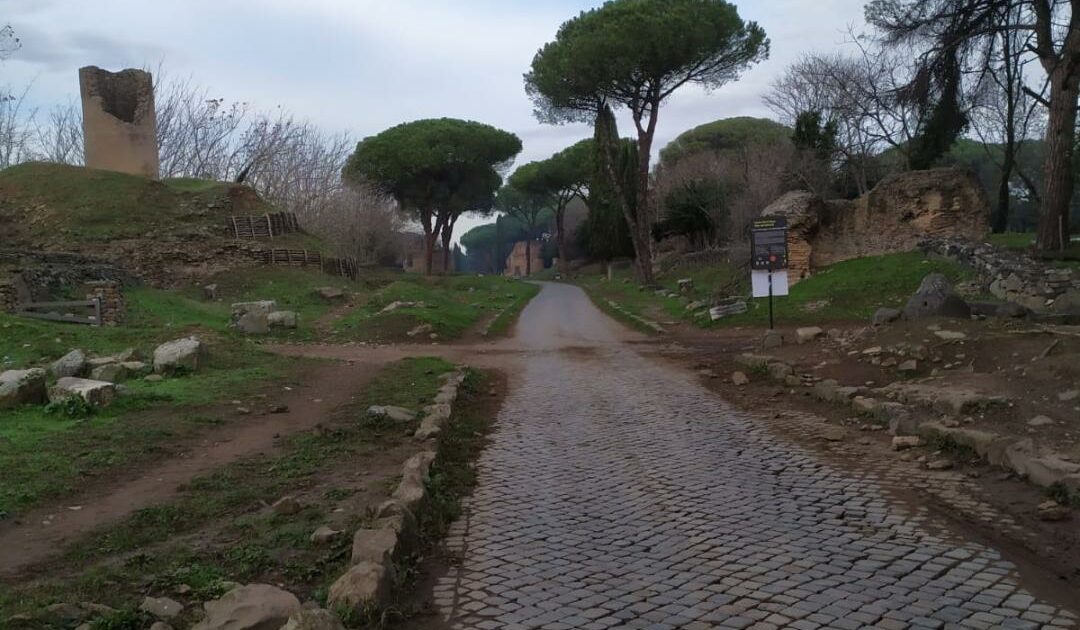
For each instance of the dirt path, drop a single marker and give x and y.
(40, 533)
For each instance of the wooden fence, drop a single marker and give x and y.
(345, 267)
(59, 311)
(263, 226)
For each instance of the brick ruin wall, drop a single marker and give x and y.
(898, 214)
(119, 122)
(110, 295)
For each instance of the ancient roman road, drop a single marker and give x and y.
(618, 492)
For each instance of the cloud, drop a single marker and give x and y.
(365, 65)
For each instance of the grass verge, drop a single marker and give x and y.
(846, 291)
(446, 306)
(220, 529)
(505, 320)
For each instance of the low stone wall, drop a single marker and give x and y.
(110, 295)
(898, 213)
(1009, 275)
(378, 549)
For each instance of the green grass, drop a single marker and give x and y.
(45, 456)
(1012, 240)
(218, 528)
(847, 291)
(452, 305)
(506, 319)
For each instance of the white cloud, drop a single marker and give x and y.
(364, 65)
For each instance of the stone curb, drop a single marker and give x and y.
(651, 325)
(1016, 454)
(438, 413)
(372, 576)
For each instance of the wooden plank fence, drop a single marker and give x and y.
(263, 226)
(345, 267)
(58, 311)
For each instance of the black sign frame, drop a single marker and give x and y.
(768, 243)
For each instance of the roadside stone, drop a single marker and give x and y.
(282, 319)
(419, 330)
(262, 307)
(885, 315)
(910, 366)
(252, 323)
(22, 387)
(362, 585)
(71, 364)
(780, 371)
(808, 334)
(862, 404)
(96, 393)
(1051, 511)
(939, 464)
(324, 535)
(313, 619)
(1069, 396)
(153, 378)
(936, 298)
(251, 607)
(833, 434)
(161, 607)
(411, 491)
(399, 414)
(178, 355)
(210, 292)
(287, 506)
(740, 378)
(950, 335)
(1040, 421)
(330, 294)
(904, 442)
(1068, 303)
(772, 339)
(374, 545)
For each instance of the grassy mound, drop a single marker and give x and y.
(54, 205)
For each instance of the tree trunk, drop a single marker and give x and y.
(429, 250)
(1053, 232)
(642, 226)
(560, 236)
(1001, 212)
(528, 257)
(447, 235)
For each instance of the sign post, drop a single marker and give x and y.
(769, 259)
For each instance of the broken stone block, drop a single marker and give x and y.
(903, 442)
(22, 387)
(282, 319)
(71, 364)
(253, 606)
(808, 334)
(96, 393)
(936, 298)
(177, 355)
(740, 379)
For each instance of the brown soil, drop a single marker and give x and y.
(42, 532)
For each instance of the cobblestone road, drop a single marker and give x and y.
(618, 492)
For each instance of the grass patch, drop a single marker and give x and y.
(509, 315)
(449, 305)
(219, 527)
(846, 291)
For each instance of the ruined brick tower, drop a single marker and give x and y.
(119, 123)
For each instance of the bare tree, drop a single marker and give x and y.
(361, 222)
(60, 138)
(17, 129)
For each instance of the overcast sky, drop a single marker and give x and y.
(364, 65)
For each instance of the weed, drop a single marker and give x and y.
(75, 407)
(955, 450)
(1060, 493)
(126, 619)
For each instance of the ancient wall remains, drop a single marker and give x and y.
(516, 262)
(111, 297)
(119, 123)
(895, 216)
